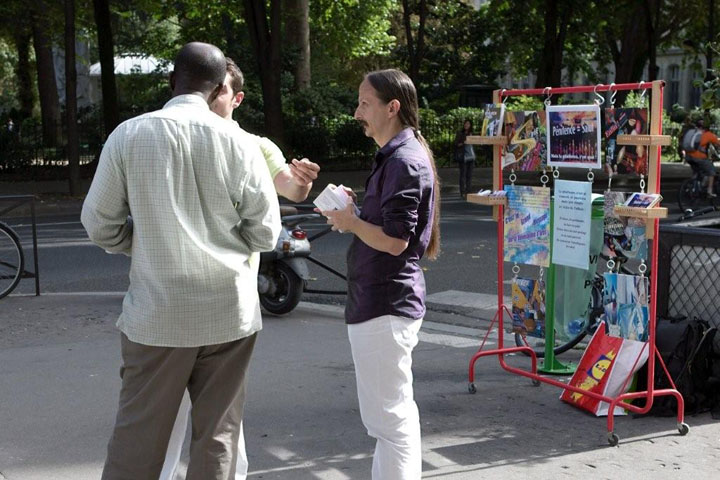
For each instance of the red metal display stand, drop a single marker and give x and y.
(653, 141)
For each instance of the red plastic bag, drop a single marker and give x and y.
(603, 369)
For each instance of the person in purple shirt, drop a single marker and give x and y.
(398, 224)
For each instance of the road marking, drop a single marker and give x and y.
(457, 298)
(456, 329)
(71, 294)
(49, 224)
(449, 340)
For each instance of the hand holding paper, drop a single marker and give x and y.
(335, 198)
(339, 207)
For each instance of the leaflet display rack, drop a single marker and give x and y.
(653, 142)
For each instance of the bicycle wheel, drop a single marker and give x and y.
(689, 196)
(595, 309)
(12, 262)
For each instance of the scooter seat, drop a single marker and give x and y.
(286, 210)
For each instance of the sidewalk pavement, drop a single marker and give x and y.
(60, 358)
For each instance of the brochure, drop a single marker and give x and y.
(528, 306)
(573, 136)
(527, 225)
(333, 198)
(493, 119)
(526, 140)
(625, 302)
(623, 236)
(624, 158)
(643, 200)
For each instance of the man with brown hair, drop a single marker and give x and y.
(292, 180)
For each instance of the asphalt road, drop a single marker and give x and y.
(69, 262)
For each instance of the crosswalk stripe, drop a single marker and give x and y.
(457, 298)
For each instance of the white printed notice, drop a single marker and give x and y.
(571, 224)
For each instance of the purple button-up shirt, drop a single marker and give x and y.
(399, 198)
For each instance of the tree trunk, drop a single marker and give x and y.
(111, 111)
(652, 26)
(71, 150)
(265, 40)
(630, 59)
(297, 34)
(47, 86)
(415, 46)
(709, 74)
(549, 72)
(24, 77)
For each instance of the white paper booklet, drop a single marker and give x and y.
(333, 198)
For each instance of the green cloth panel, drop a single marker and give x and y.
(573, 286)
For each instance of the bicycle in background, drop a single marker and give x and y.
(693, 199)
(12, 261)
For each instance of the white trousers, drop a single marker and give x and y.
(382, 353)
(177, 438)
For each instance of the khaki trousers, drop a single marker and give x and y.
(153, 382)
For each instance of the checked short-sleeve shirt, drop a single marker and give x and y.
(201, 201)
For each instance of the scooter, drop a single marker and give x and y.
(283, 272)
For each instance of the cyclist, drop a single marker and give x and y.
(695, 143)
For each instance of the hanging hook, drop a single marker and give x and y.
(599, 100)
(502, 95)
(613, 95)
(643, 91)
(548, 94)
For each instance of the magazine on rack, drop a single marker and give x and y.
(624, 158)
(528, 306)
(643, 200)
(573, 136)
(525, 131)
(493, 120)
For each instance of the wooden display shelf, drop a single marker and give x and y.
(638, 212)
(486, 199)
(482, 140)
(646, 140)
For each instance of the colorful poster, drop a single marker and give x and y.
(526, 134)
(573, 136)
(493, 120)
(527, 225)
(528, 306)
(623, 236)
(624, 158)
(625, 302)
(571, 224)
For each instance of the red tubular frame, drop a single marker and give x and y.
(653, 354)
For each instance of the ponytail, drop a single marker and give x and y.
(433, 248)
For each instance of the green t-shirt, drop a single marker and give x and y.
(274, 157)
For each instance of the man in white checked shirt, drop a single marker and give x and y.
(201, 202)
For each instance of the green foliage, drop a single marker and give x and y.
(525, 102)
(350, 29)
(440, 130)
(138, 94)
(8, 84)
(636, 100)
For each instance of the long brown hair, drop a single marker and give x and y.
(391, 85)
